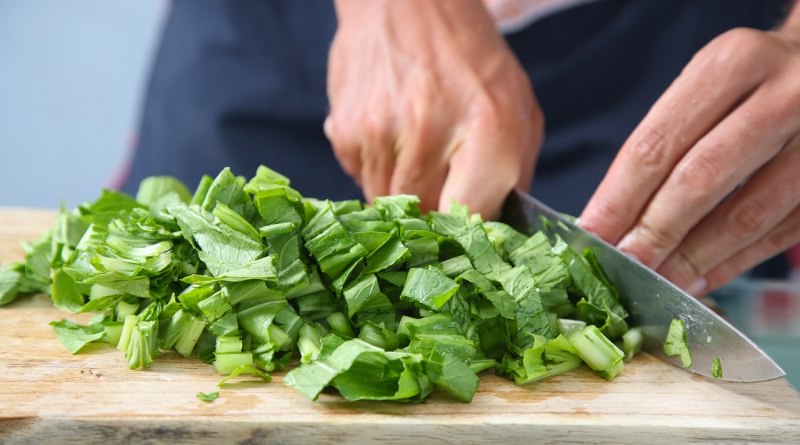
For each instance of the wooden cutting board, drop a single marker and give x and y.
(48, 395)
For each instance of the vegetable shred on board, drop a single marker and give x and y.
(380, 302)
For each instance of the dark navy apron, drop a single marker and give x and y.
(242, 83)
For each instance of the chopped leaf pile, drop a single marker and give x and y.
(380, 302)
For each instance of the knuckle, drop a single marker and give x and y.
(606, 214)
(374, 127)
(689, 266)
(649, 148)
(735, 50)
(784, 237)
(749, 219)
(699, 176)
(741, 41)
(662, 238)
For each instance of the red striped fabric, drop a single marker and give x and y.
(794, 258)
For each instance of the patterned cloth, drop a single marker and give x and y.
(513, 15)
(794, 262)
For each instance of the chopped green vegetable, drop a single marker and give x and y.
(676, 343)
(380, 302)
(597, 351)
(208, 397)
(716, 368)
(9, 285)
(246, 369)
(74, 336)
(632, 342)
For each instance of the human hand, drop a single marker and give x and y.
(426, 98)
(707, 185)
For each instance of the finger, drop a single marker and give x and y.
(744, 141)
(377, 157)
(717, 78)
(482, 171)
(762, 203)
(530, 149)
(780, 238)
(421, 166)
(345, 148)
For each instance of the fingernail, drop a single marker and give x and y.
(697, 287)
(625, 244)
(626, 241)
(633, 256)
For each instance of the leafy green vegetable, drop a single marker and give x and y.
(632, 342)
(154, 188)
(246, 369)
(208, 397)
(380, 302)
(9, 285)
(428, 288)
(74, 336)
(676, 343)
(597, 351)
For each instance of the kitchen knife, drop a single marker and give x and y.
(652, 300)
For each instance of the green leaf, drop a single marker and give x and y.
(9, 285)
(600, 302)
(257, 319)
(74, 336)
(65, 293)
(361, 371)
(676, 343)
(222, 248)
(156, 187)
(428, 288)
(227, 190)
(391, 253)
(481, 252)
(245, 369)
(235, 221)
(208, 397)
(261, 269)
(454, 376)
(398, 206)
(360, 292)
(124, 284)
(531, 318)
(504, 237)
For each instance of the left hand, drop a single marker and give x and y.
(708, 184)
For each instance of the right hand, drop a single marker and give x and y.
(426, 98)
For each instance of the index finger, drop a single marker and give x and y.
(484, 168)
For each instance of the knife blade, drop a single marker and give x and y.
(652, 301)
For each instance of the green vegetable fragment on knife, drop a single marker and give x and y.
(676, 343)
(716, 368)
(380, 302)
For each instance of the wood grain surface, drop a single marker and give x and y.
(50, 396)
